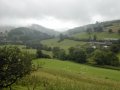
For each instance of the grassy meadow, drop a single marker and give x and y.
(65, 75)
(65, 44)
(100, 35)
(79, 69)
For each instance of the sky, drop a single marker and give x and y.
(59, 15)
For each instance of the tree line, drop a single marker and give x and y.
(87, 54)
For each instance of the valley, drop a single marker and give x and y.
(68, 61)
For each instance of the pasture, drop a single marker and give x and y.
(101, 35)
(65, 44)
(65, 75)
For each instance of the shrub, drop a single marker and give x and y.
(115, 48)
(77, 55)
(105, 58)
(41, 55)
(59, 53)
(14, 64)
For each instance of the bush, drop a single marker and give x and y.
(105, 58)
(14, 64)
(115, 48)
(41, 55)
(59, 53)
(77, 55)
(110, 31)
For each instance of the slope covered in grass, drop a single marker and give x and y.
(65, 75)
(65, 44)
(100, 35)
(80, 69)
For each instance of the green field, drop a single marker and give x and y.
(101, 35)
(65, 75)
(80, 69)
(64, 44)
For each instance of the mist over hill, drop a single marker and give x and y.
(106, 25)
(43, 29)
(6, 28)
(26, 34)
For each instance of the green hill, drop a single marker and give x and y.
(100, 35)
(65, 44)
(43, 29)
(100, 29)
(114, 25)
(26, 34)
(85, 70)
(65, 75)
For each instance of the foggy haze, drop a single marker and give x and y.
(58, 14)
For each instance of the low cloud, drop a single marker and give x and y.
(62, 13)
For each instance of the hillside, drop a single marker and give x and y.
(65, 44)
(43, 29)
(65, 75)
(99, 35)
(79, 69)
(105, 26)
(26, 34)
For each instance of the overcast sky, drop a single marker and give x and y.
(58, 14)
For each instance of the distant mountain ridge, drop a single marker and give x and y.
(33, 27)
(26, 34)
(43, 29)
(106, 25)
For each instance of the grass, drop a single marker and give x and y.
(80, 69)
(64, 44)
(51, 79)
(65, 75)
(102, 35)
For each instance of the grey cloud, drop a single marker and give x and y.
(80, 11)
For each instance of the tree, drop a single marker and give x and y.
(77, 55)
(94, 37)
(55, 52)
(40, 54)
(62, 37)
(89, 50)
(14, 64)
(110, 31)
(115, 48)
(59, 53)
(105, 58)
